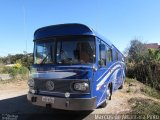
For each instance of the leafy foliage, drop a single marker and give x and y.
(151, 92)
(137, 51)
(20, 69)
(14, 71)
(144, 64)
(24, 59)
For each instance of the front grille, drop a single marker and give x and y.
(59, 85)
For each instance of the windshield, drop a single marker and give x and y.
(43, 53)
(70, 50)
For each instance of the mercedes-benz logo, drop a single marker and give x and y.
(50, 85)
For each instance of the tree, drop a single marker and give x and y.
(136, 51)
(154, 55)
(25, 59)
(143, 64)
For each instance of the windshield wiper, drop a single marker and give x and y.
(44, 58)
(49, 53)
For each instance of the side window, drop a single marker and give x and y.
(116, 56)
(120, 57)
(102, 54)
(109, 54)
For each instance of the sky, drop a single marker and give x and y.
(120, 21)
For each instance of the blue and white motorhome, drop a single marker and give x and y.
(74, 68)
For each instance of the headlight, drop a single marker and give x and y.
(31, 83)
(81, 86)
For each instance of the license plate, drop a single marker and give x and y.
(48, 99)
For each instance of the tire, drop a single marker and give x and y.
(121, 87)
(110, 92)
(104, 104)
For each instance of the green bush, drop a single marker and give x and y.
(145, 72)
(14, 71)
(131, 70)
(143, 64)
(23, 70)
(151, 92)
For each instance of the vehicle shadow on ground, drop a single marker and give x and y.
(26, 111)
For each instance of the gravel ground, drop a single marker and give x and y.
(13, 101)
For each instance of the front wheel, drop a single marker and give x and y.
(109, 95)
(109, 92)
(104, 104)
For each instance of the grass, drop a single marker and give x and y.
(130, 85)
(144, 106)
(129, 80)
(144, 89)
(151, 92)
(129, 90)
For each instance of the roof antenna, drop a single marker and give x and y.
(24, 26)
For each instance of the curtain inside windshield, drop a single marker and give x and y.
(68, 51)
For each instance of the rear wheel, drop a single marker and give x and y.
(121, 87)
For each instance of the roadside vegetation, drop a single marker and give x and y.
(145, 100)
(143, 64)
(15, 70)
(15, 66)
(24, 59)
(143, 82)
(134, 86)
(144, 106)
(152, 92)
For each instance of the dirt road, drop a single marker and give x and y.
(13, 101)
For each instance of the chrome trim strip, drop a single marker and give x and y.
(61, 92)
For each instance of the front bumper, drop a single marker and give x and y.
(64, 103)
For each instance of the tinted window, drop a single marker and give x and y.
(78, 51)
(116, 56)
(102, 53)
(109, 54)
